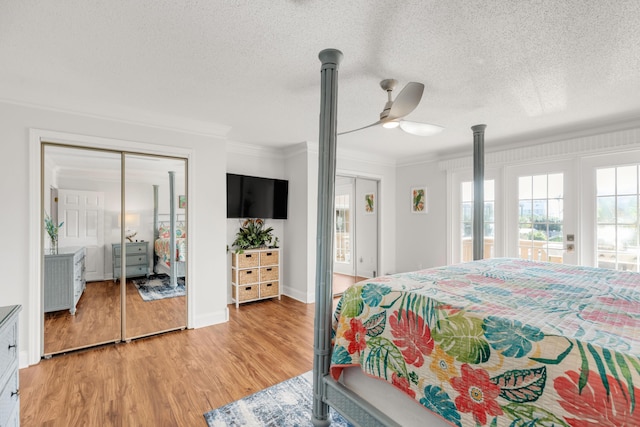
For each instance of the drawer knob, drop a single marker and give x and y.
(12, 346)
(15, 393)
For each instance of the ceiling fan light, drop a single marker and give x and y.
(391, 125)
(420, 129)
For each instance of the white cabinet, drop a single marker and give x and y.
(255, 275)
(137, 259)
(64, 279)
(9, 380)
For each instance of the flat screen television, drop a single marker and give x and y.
(255, 197)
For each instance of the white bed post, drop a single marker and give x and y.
(172, 238)
(478, 191)
(330, 59)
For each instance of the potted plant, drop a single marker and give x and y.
(52, 231)
(253, 234)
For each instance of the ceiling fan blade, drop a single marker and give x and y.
(420, 129)
(355, 130)
(406, 101)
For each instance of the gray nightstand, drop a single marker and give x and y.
(137, 259)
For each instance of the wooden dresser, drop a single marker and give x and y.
(137, 259)
(9, 380)
(64, 280)
(255, 275)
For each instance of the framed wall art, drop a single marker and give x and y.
(419, 200)
(369, 204)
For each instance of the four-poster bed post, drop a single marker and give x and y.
(326, 391)
(155, 225)
(324, 241)
(173, 268)
(172, 226)
(478, 191)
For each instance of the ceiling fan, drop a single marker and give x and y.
(394, 110)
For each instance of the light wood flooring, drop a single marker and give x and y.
(342, 281)
(97, 318)
(174, 378)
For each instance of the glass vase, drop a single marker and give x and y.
(53, 249)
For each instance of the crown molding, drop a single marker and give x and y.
(139, 118)
(244, 149)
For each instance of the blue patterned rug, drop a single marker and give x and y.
(157, 287)
(287, 404)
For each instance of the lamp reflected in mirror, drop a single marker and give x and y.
(132, 222)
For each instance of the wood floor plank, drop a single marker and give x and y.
(174, 378)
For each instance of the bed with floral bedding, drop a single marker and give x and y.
(162, 246)
(500, 342)
(163, 252)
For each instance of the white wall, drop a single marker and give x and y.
(19, 177)
(422, 238)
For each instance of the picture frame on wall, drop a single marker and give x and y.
(369, 204)
(419, 200)
(182, 202)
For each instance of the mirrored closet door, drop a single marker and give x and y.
(109, 218)
(81, 201)
(356, 231)
(155, 245)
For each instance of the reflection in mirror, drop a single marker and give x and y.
(155, 227)
(81, 203)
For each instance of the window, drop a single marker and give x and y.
(540, 217)
(466, 217)
(617, 217)
(342, 250)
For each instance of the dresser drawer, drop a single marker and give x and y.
(269, 258)
(269, 289)
(132, 248)
(268, 274)
(133, 271)
(132, 259)
(245, 259)
(8, 347)
(9, 398)
(245, 293)
(246, 277)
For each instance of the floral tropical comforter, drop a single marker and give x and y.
(501, 342)
(163, 252)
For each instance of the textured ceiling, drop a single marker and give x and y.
(250, 69)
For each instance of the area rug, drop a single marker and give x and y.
(156, 287)
(285, 404)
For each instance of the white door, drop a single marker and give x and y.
(610, 211)
(83, 216)
(366, 227)
(540, 210)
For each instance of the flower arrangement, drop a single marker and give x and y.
(253, 234)
(52, 231)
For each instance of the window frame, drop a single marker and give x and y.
(454, 255)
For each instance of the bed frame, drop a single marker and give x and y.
(326, 391)
(176, 269)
